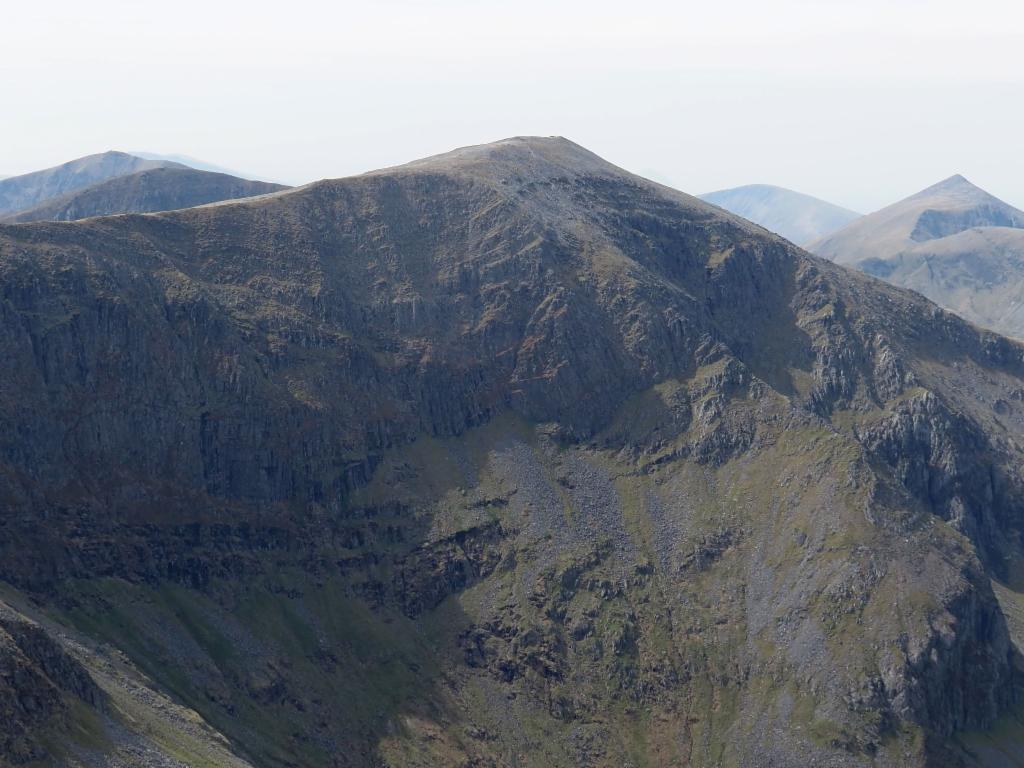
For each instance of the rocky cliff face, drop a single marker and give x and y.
(508, 457)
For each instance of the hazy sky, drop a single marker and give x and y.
(858, 102)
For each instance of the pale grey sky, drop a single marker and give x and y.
(860, 103)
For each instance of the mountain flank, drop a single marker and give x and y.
(795, 216)
(505, 457)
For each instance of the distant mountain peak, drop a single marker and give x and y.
(796, 216)
(946, 208)
(957, 186)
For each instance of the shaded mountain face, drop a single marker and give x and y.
(797, 217)
(18, 193)
(157, 189)
(504, 457)
(953, 242)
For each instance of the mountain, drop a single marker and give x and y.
(947, 208)
(156, 189)
(502, 457)
(797, 217)
(955, 243)
(18, 193)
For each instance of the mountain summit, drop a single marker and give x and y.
(502, 457)
(530, 158)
